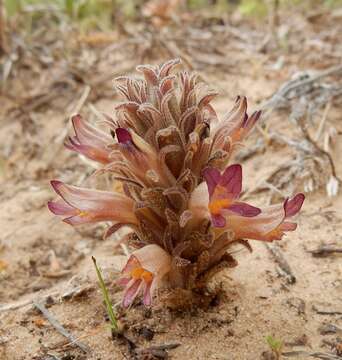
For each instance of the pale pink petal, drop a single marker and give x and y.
(154, 259)
(131, 264)
(98, 154)
(288, 226)
(89, 141)
(88, 134)
(95, 205)
(147, 297)
(259, 226)
(79, 220)
(60, 207)
(131, 293)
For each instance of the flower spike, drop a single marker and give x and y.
(178, 194)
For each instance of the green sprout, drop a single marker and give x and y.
(109, 306)
(276, 345)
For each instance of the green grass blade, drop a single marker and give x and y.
(109, 306)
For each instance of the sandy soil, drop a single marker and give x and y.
(41, 256)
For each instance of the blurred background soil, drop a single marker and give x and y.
(59, 58)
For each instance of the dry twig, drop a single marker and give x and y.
(56, 324)
(325, 250)
(284, 266)
(316, 355)
(326, 311)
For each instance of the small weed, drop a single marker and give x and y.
(109, 306)
(276, 346)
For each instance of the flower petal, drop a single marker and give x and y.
(154, 259)
(244, 209)
(292, 206)
(131, 293)
(93, 205)
(288, 226)
(212, 177)
(60, 207)
(89, 141)
(250, 121)
(123, 136)
(218, 220)
(132, 263)
(147, 297)
(257, 227)
(231, 180)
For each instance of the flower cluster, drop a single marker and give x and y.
(179, 198)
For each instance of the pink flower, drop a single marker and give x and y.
(143, 273)
(224, 190)
(82, 206)
(89, 141)
(217, 199)
(271, 224)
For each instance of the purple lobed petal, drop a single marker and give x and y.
(218, 220)
(231, 179)
(244, 209)
(292, 206)
(212, 177)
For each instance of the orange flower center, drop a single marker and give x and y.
(217, 205)
(83, 213)
(141, 273)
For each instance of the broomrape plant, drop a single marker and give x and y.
(180, 198)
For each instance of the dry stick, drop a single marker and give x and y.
(55, 323)
(317, 355)
(295, 84)
(60, 139)
(91, 333)
(19, 304)
(67, 295)
(323, 121)
(326, 311)
(330, 329)
(318, 149)
(282, 262)
(52, 356)
(75, 110)
(325, 250)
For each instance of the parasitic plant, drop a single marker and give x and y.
(180, 196)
